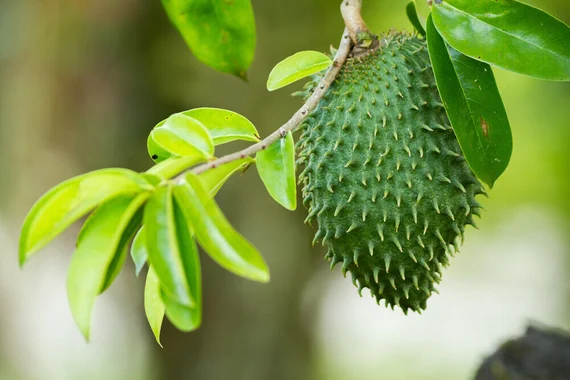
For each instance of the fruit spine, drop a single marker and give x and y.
(384, 175)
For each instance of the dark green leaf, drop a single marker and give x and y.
(276, 167)
(180, 135)
(166, 251)
(296, 67)
(214, 179)
(508, 34)
(139, 252)
(220, 33)
(412, 13)
(92, 261)
(153, 305)
(215, 234)
(71, 200)
(474, 107)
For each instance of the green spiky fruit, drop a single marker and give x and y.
(384, 175)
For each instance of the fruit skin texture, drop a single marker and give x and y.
(384, 175)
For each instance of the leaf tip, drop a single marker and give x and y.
(157, 337)
(263, 276)
(85, 331)
(243, 76)
(291, 206)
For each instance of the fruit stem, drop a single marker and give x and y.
(359, 32)
(311, 103)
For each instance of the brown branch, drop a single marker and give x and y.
(339, 59)
(350, 10)
(351, 13)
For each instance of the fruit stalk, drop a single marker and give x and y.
(359, 32)
(350, 10)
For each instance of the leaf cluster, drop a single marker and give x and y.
(465, 39)
(163, 215)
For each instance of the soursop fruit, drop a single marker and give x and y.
(384, 175)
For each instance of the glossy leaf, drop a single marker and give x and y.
(70, 200)
(215, 234)
(224, 125)
(139, 253)
(154, 307)
(220, 33)
(123, 249)
(180, 135)
(474, 106)
(214, 179)
(166, 251)
(102, 241)
(412, 13)
(174, 165)
(276, 167)
(183, 317)
(296, 67)
(508, 34)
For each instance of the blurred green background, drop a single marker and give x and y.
(81, 85)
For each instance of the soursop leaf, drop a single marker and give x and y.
(183, 317)
(276, 167)
(215, 234)
(508, 34)
(139, 253)
(214, 179)
(165, 243)
(173, 166)
(221, 34)
(70, 200)
(103, 240)
(154, 307)
(474, 107)
(180, 135)
(224, 126)
(296, 67)
(412, 13)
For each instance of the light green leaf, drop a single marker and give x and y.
(412, 13)
(296, 67)
(139, 253)
(120, 257)
(173, 166)
(214, 179)
(180, 135)
(474, 106)
(220, 33)
(70, 200)
(183, 317)
(102, 241)
(123, 249)
(165, 252)
(224, 125)
(154, 307)
(507, 34)
(215, 234)
(276, 167)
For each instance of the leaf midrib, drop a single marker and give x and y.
(504, 32)
(471, 113)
